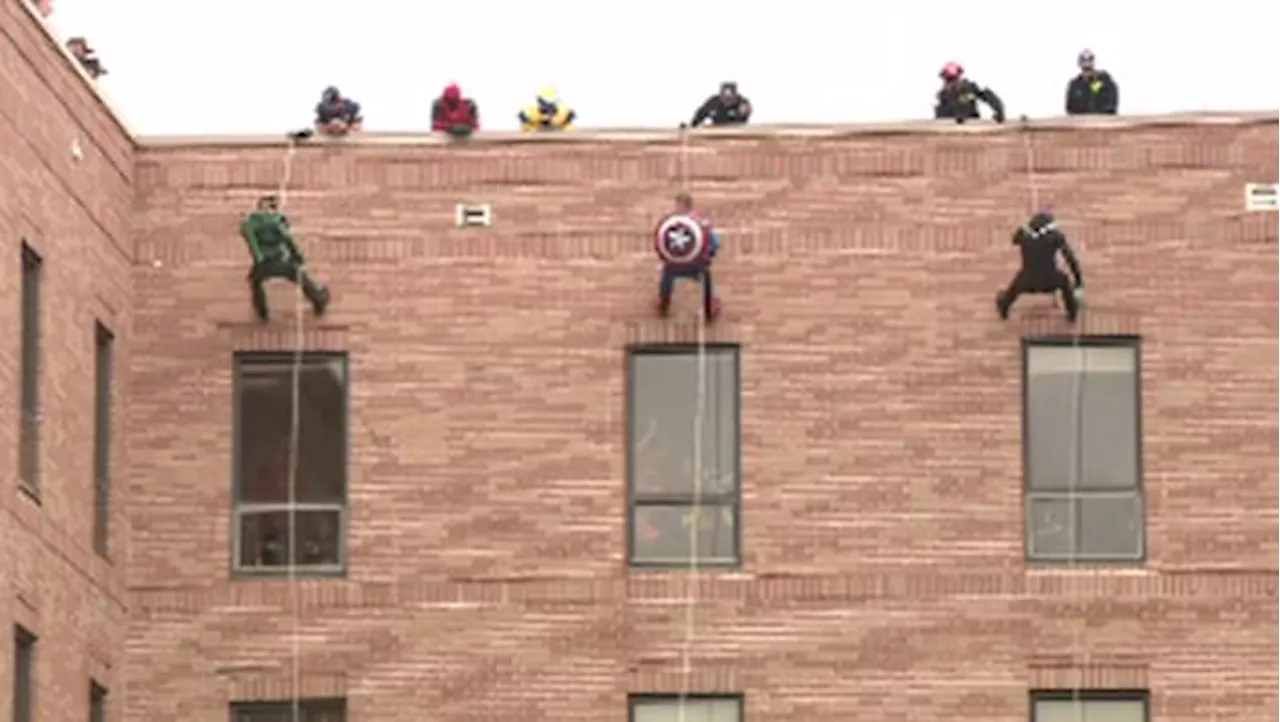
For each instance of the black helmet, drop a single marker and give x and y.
(331, 94)
(1041, 221)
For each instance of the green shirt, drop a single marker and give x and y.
(268, 237)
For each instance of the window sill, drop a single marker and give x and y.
(1092, 567)
(709, 567)
(310, 572)
(31, 492)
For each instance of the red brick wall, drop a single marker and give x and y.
(884, 575)
(75, 214)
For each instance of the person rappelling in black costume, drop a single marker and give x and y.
(266, 231)
(1040, 242)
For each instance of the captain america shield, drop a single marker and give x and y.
(680, 240)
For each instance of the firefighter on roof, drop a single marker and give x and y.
(958, 97)
(1092, 91)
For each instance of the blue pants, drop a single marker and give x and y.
(668, 284)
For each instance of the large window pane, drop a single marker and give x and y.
(1098, 450)
(665, 423)
(265, 433)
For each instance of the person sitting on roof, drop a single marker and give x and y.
(453, 114)
(336, 115)
(546, 113)
(958, 98)
(86, 56)
(724, 108)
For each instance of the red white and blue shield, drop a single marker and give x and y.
(681, 240)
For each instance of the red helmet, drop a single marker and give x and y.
(951, 71)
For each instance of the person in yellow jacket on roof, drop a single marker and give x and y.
(546, 113)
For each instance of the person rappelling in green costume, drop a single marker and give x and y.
(266, 231)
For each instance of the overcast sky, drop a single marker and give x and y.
(258, 66)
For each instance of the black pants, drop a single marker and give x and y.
(1024, 282)
(289, 269)
(667, 285)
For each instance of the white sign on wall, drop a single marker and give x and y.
(1262, 196)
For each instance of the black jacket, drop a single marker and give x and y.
(720, 113)
(1041, 242)
(1096, 95)
(960, 101)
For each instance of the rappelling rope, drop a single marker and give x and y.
(1079, 650)
(295, 413)
(692, 577)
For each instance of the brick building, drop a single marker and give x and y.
(498, 434)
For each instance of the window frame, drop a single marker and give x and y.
(241, 360)
(636, 698)
(1029, 495)
(306, 706)
(24, 674)
(635, 500)
(103, 417)
(98, 695)
(1088, 695)
(30, 373)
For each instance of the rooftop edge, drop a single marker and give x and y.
(94, 90)
(798, 131)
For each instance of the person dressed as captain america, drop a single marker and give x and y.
(686, 243)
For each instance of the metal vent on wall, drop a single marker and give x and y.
(1261, 197)
(474, 216)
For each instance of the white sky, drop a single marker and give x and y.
(258, 66)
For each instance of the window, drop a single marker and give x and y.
(97, 702)
(278, 528)
(697, 708)
(24, 669)
(1082, 444)
(683, 481)
(104, 342)
(29, 431)
(309, 710)
(1089, 706)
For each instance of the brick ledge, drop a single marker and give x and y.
(374, 139)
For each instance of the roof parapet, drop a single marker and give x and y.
(367, 139)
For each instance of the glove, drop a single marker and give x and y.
(1079, 293)
(684, 126)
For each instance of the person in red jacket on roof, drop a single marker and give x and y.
(453, 114)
